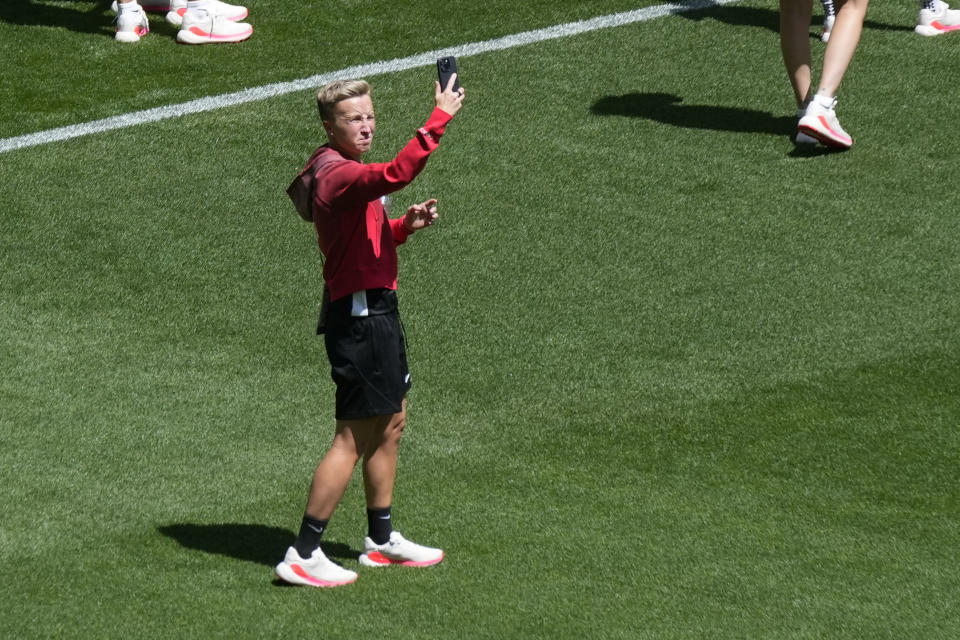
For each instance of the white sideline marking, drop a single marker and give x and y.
(263, 92)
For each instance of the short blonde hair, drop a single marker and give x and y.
(339, 90)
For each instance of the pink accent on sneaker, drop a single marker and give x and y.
(139, 30)
(840, 137)
(838, 140)
(379, 558)
(297, 569)
(939, 26)
(197, 31)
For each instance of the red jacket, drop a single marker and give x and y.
(358, 241)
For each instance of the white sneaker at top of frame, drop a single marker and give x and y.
(201, 26)
(132, 23)
(232, 12)
(941, 20)
(315, 571)
(820, 121)
(827, 27)
(398, 550)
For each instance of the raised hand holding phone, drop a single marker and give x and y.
(448, 94)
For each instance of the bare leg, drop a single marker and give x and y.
(795, 18)
(842, 44)
(380, 461)
(332, 476)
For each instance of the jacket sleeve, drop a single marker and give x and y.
(399, 230)
(352, 183)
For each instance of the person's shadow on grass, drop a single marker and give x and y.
(764, 18)
(83, 16)
(668, 109)
(248, 542)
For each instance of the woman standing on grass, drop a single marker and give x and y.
(363, 335)
(816, 111)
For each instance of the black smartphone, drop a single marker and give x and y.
(446, 67)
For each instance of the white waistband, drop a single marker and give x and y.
(359, 308)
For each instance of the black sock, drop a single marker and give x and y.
(379, 526)
(309, 537)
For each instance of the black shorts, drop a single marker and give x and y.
(368, 357)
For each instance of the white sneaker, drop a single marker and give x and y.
(398, 550)
(132, 23)
(941, 20)
(232, 12)
(820, 121)
(827, 27)
(318, 571)
(201, 26)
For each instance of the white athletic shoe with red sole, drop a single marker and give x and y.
(232, 12)
(203, 27)
(820, 121)
(941, 20)
(317, 571)
(398, 550)
(132, 24)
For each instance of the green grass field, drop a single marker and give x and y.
(672, 378)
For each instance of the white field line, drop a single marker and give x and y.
(212, 103)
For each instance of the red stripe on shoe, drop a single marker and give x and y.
(939, 26)
(379, 558)
(197, 31)
(822, 137)
(297, 569)
(837, 137)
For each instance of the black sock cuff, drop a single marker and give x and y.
(311, 530)
(379, 525)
